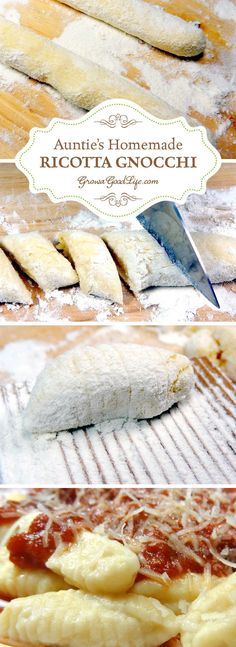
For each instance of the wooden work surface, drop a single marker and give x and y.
(23, 106)
(21, 211)
(193, 442)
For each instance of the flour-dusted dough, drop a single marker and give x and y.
(93, 263)
(96, 564)
(39, 259)
(78, 619)
(149, 23)
(143, 263)
(88, 385)
(216, 342)
(12, 288)
(80, 81)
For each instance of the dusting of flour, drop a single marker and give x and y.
(185, 85)
(23, 360)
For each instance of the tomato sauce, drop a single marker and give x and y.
(73, 510)
(33, 548)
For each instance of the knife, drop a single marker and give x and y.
(165, 223)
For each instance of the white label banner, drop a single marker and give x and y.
(118, 160)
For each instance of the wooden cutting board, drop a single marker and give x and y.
(21, 211)
(193, 442)
(23, 106)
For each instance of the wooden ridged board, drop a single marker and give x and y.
(23, 107)
(194, 442)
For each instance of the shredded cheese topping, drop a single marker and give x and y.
(171, 530)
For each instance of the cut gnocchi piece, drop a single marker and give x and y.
(93, 263)
(211, 620)
(18, 582)
(12, 288)
(217, 343)
(143, 263)
(77, 618)
(105, 382)
(96, 564)
(39, 259)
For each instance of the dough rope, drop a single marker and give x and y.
(82, 82)
(125, 381)
(150, 23)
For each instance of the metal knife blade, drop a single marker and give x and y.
(164, 222)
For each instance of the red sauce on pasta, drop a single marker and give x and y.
(170, 533)
(33, 548)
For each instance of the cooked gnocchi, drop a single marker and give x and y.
(148, 568)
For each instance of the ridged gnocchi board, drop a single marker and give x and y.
(203, 86)
(194, 442)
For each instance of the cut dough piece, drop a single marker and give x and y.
(105, 382)
(40, 260)
(18, 582)
(216, 342)
(211, 620)
(218, 253)
(76, 618)
(149, 23)
(96, 564)
(93, 263)
(80, 81)
(12, 288)
(143, 263)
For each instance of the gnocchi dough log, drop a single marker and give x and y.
(12, 288)
(217, 343)
(96, 564)
(211, 620)
(39, 259)
(93, 263)
(18, 582)
(88, 385)
(80, 81)
(77, 618)
(143, 263)
(149, 23)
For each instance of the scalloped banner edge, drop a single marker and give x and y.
(141, 112)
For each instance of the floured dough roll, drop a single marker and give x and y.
(216, 342)
(12, 288)
(38, 258)
(93, 263)
(78, 619)
(147, 22)
(79, 80)
(143, 263)
(87, 385)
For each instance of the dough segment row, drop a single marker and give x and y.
(99, 262)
